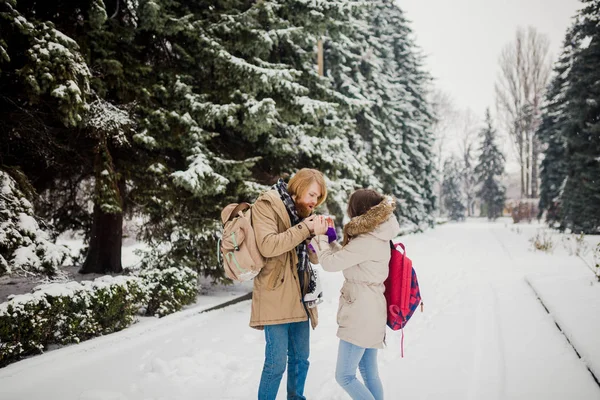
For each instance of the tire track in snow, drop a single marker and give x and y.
(563, 333)
(488, 377)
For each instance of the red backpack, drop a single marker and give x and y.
(402, 292)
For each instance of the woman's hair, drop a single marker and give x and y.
(362, 200)
(300, 183)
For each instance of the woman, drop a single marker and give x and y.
(363, 258)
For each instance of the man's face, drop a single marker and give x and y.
(306, 203)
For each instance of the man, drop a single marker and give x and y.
(282, 223)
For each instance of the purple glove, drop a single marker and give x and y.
(331, 235)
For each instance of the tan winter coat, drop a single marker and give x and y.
(276, 296)
(364, 261)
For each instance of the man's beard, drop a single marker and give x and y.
(303, 210)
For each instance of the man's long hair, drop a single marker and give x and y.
(302, 180)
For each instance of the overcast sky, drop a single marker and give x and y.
(462, 40)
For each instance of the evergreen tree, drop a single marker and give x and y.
(169, 110)
(373, 61)
(25, 242)
(44, 97)
(550, 133)
(454, 200)
(256, 110)
(580, 199)
(572, 129)
(469, 179)
(488, 172)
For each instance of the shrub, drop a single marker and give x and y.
(60, 313)
(524, 211)
(542, 241)
(575, 245)
(169, 289)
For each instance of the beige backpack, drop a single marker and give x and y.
(241, 259)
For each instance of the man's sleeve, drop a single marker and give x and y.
(270, 242)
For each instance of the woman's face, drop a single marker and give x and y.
(305, 204)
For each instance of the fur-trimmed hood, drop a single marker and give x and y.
(379, 221)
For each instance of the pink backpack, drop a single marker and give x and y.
(402, 292)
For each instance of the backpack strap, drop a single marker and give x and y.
(405, 272)
(232, 211)
(231, 256)
(402, 343)
(219, 251)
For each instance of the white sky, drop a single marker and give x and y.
(462, 40)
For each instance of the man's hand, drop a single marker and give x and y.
(320, 225)
(310, 223)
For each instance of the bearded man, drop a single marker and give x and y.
(283, 224)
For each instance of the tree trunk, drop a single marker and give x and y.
(528, 165)
(522, 162)
(104, 253)
(522, 181)
(534, 167)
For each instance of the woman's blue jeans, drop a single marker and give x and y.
(286, 343)
(351, 357)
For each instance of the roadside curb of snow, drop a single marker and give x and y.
(570, 333)
(138, 331)
(247, 296)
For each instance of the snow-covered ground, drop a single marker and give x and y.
(483, 335)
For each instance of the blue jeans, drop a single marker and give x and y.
(285, 343)
(349, 358)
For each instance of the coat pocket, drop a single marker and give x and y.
(271, 276)
(347, 299)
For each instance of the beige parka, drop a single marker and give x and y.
(276, 295)
(364, 261)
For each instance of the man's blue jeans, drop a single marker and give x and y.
(349, 358)
(285, 343)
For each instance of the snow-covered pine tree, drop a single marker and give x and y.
(26, 245)
(45, 86)
(488, 172)
(240, 88)
(580, 197)
(191, 105)
(454, 201)
(469, 179)
(374, 62)
(416, 119)
(550, 133)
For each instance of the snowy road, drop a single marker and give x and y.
(483, 336)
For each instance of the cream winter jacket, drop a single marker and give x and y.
(364, 261)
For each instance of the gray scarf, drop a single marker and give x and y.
(302, 248)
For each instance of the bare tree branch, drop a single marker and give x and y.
(524, 72)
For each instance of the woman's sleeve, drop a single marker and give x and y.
(334, 257)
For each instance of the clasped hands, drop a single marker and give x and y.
(317, 224)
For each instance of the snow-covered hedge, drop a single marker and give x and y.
(62, 313)
(24, 246)
(169, 289)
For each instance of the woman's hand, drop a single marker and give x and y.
(320, 227)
